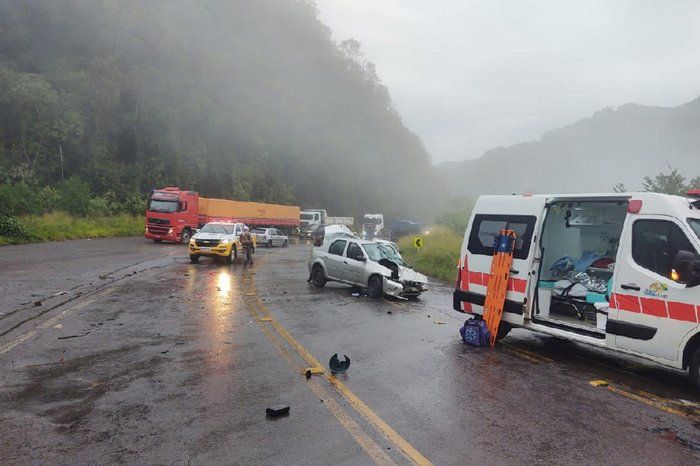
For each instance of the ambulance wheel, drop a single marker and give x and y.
(374, 286)
(194, 258)
(694, 368)
(503, 330)
(318, 276)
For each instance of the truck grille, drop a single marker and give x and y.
(159, 221)
(206, 242)
(158, 230)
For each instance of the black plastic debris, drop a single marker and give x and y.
(37, 303)
(273, 412)
(338, 367)
(308, 373)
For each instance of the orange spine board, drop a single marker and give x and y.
(497, 287)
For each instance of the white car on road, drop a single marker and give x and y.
(372, 265)
(270, 237)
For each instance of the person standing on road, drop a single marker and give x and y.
(247, 244)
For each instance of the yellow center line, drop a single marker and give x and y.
(646, 398)
(368, 445)
(49, 323)
(405, 447)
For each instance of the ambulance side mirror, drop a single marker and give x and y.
(687, 265)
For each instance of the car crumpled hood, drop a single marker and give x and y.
(407, 274)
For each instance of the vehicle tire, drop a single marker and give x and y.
(185, 236)
(229, 258)
(503, 330)
(194, 258)
(318, 276)
(374, 286)
(269, 243)
(694, 368)
(157, 240)
(285, 244)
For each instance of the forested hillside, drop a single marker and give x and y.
(243, 99)
(613, 146)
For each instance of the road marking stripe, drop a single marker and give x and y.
(406, 448)
(365, 441)
(647, 399)
(52, 321)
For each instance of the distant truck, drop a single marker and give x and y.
(401, 228)
(310, 220)
(347, 221)
(372, 225)
(173, 214)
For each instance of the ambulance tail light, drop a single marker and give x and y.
(634, 206)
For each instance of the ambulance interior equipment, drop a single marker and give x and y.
(579, 245)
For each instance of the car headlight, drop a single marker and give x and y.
(191, 241)
(224, 241)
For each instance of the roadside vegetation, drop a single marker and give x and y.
(441, 247)
(438, 256)
(68, 210)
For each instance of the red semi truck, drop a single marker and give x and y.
(173, 214)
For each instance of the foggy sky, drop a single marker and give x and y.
(470, 75)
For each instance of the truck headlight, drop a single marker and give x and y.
(170, 231)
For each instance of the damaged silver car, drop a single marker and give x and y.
(373, 265)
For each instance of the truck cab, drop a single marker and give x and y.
(618, 270)
(310, 220)
(372, 225)
(171, 215)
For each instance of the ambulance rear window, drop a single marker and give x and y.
(485, 228)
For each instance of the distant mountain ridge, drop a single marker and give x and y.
(591, 155)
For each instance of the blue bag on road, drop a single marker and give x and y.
(475, 333)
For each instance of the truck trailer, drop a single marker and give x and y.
(173, 214)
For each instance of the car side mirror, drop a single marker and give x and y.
(361, 259)
(195, 231)
(686, 266)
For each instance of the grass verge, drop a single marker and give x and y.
(439, 255)
(59, 226)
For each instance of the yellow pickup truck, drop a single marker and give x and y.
(217, 239)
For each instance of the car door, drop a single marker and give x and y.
(354, 264)
(523, 214)
(276, 238)
(238, 230)
(334, 259)
(652, 310)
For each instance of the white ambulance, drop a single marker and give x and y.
(620, 270)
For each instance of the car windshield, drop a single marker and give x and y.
(217, 228)
(260, 231)
(377, 251)
(695, 225)
(162, 206)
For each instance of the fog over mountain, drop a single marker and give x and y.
(249, 100)
(615, 145)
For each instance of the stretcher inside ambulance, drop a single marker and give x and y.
(620, 271)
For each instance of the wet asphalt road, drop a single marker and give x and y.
(121, 351)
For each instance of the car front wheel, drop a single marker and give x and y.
(318, 276)
(374, 286)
